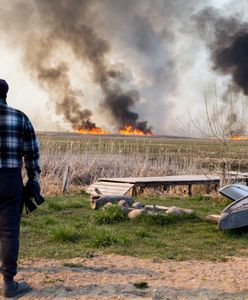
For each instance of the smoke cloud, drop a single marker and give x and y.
(90, 29)
(138, 55)
(227, 39)
(67, 23)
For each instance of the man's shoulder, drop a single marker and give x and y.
(14, 111)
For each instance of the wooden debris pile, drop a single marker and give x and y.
(135, 209)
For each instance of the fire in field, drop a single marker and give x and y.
(127, 66)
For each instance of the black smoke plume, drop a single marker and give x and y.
(67, 23)
(227, 38)
(233, 60)
(148, 35)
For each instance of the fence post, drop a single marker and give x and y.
(65, 182)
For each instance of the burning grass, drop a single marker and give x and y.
(125, 130)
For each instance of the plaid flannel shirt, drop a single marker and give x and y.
(17, 141)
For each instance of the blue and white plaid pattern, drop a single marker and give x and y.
(17, 139)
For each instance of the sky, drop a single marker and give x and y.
(170, 73)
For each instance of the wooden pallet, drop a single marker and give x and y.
(110, 188)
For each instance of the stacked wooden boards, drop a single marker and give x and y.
(110, 188)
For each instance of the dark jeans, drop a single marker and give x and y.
(10, 201)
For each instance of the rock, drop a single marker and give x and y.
(153, 213)
(174, 210)
(123, 203)
(138, 205)
(135, 213)
(124, 209)
(187, 211)
(155, 207)
(213, 218)
(95, 203)
(107, 205)
(179, 211)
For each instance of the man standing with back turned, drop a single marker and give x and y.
(17, 143)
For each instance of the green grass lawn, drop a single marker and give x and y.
(66, 227)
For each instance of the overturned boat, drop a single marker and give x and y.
(234, 215)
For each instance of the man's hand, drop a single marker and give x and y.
(33, 190)
(33, 174)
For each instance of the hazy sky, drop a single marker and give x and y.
(187, 61)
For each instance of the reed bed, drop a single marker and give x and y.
(83, 160)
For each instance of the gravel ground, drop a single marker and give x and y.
(113, 277)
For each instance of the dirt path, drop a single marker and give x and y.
(112, 277)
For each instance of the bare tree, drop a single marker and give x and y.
(223, 122)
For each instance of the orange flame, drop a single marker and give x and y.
(96, 130)
(239, 138)
(126, 130)
(129, 130)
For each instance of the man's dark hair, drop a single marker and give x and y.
(4, 87)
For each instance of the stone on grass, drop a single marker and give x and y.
(135, 213)
(124, 209)
(213, 218)
(123, 203)
(107, 205)
(138, 205)
(179, 211)
(187, 211)
(174, 210)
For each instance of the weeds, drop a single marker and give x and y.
(66, 234)
(48, 220)
(141, 285)
(72, 265)
(105, 238)
(111, 215)
(142, 233)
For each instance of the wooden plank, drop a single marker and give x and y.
(180, 179)
(110, 188)
(177, 182)
(106, 191)
(107, 183)
(183, 177)
(171, 183)
(109, 193)
(235, 173)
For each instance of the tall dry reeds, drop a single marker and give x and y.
(83, 162)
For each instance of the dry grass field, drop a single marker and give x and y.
(90, 157)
